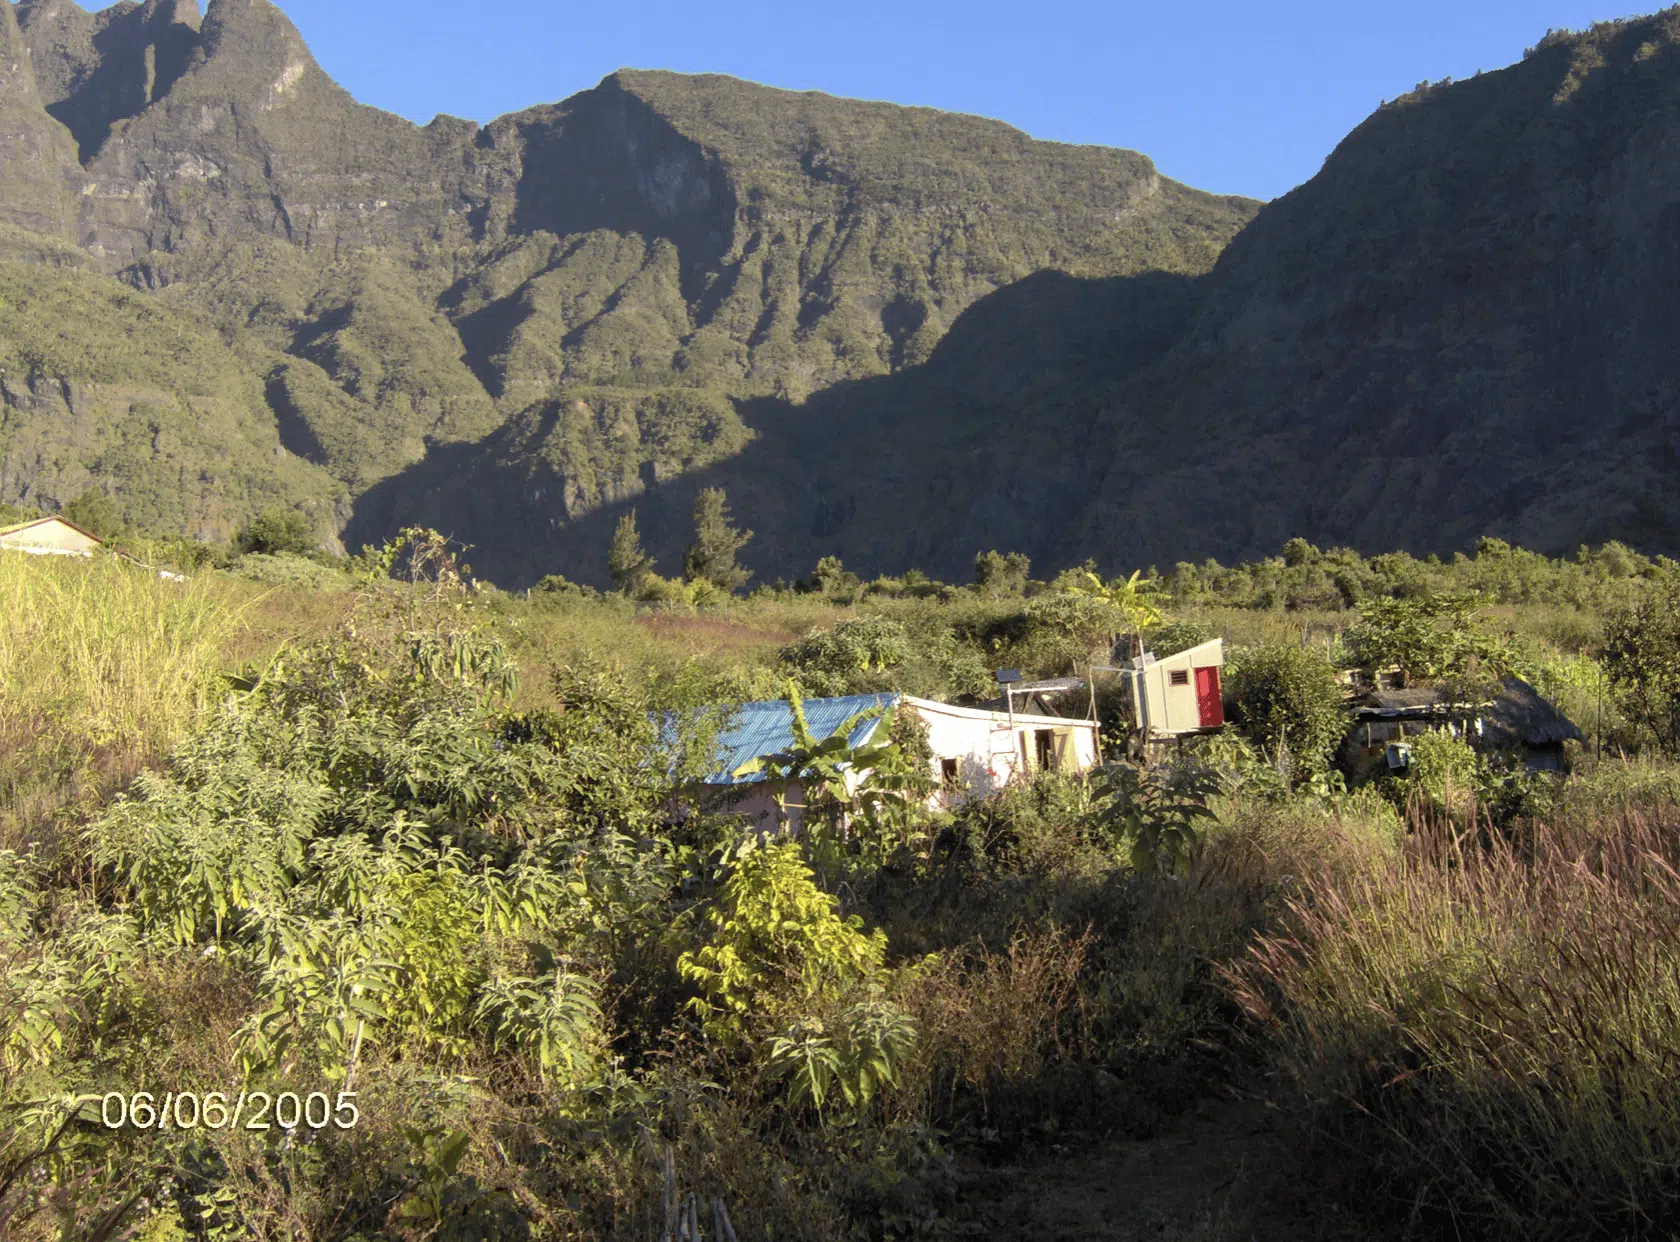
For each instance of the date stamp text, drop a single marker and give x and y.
(220, 1110)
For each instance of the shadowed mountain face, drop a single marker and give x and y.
(892, 334)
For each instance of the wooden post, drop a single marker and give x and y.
(670, 1232)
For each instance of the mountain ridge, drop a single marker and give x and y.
(894, 335)
(650, 256)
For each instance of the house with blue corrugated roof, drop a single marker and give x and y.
(976, 751)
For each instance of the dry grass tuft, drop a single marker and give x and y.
(1495, 1021)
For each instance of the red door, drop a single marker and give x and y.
(1208, 704)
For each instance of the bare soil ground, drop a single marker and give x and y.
(1221, 1173)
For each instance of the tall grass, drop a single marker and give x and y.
(1493, 1026)
(102, 666)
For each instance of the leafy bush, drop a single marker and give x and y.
(777, 945)
(1177, 636)
(998, 574)
(1288, 701)
(374, 833)
(1429, 636)
(1446, 771)
(1642, 660)
(278, 531)
(854, 1057)
(835, 581)
(849, 658)
(96, 513)
(290, 570)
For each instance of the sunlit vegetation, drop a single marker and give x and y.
(426, 843)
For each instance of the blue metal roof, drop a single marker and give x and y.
(760, 729)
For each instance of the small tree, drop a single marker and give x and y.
(998, 574)
(626, 561)
(1134, 599)
(1642, 659)
(1446, 771)
(1287, 701)
(278, 530)
(96, 513)
(711, 557)
(1429, 636)
(833, 579)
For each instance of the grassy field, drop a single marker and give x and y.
(406, 841)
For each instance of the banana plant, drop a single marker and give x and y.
(1131, 597)
(818, 768)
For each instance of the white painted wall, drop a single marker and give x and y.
(992, 753)
(989, 751)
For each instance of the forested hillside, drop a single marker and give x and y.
(890, 334)
(609, 288)
(1458, 327)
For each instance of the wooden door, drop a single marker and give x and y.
(1209, 704)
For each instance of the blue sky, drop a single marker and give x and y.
(1235, 97)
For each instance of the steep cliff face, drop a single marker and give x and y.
(96, 70)
(253, 138)
(814, 239)
(38, 158)
(1462, 326)
(611, 289)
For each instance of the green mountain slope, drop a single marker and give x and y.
(894, 335)
(101, 385)
(604, 288)
(1461, 326)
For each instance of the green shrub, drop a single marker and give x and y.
(848, 658)
(998, 574)
(1288, 702)
(1177, 636)
(853, 1057)
(288, 569)
(1446, 771)
(277, 531)
(777, 946)
(1642, 660)
(96, 513)
(1430, 636)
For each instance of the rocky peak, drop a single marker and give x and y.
(36, 154)
(249, 51)
(97, 70)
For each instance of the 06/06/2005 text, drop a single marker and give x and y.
(254, 1110)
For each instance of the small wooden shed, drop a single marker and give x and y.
(49, 536)
(1180, 694)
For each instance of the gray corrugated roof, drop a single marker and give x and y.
(764, 728)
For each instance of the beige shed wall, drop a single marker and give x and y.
(50, 537)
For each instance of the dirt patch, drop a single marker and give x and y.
(1223, 1173)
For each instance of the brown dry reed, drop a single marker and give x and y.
(1491, 1023)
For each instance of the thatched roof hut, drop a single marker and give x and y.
(1520, 716)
